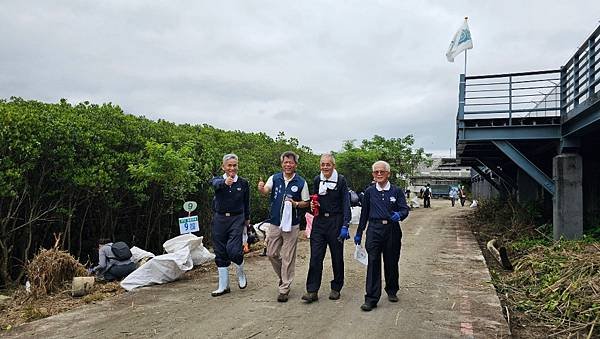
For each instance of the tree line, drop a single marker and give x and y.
(89, 171)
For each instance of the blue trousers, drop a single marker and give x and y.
(325, 231)
(227, 239)
(383, 240)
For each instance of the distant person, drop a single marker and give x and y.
(288, 192)
(113, 263)
(453, 194)
(427, 197)
(462, 195)
(383, 209)
(329, 229)
(231, 214)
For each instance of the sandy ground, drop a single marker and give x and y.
(445, 292)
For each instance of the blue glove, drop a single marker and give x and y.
(395, 217)
(344, 234)
(357, 238)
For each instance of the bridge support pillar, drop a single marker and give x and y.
(567, 211)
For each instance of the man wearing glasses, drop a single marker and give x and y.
(384, 206)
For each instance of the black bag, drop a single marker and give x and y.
(354, 198)
(121, 251)
(427, 193)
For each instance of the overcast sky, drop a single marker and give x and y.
(321, 71)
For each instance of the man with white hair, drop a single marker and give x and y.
(384, 206)
(329, 228)
(231, 207)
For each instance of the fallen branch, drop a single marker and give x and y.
(499, 254)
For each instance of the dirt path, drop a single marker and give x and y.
(444, 292)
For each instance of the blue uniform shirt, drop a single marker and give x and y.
(381, 204)
(233, 199)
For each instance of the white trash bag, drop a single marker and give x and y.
(360, 254)
(474, 204)
(138, 254)
(199, 253)
(355, 214)
(261, 229)
(161, 269)
(414, 203)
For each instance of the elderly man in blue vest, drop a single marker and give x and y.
(288, 192)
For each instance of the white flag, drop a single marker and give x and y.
(460, 42)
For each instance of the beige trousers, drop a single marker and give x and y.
(281, 250)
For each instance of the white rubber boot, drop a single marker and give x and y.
(223, 282)
(242, 281)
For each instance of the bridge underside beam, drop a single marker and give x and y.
(509, 133)
(525, 164)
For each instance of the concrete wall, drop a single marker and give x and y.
(481, 190)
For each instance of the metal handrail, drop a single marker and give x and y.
(578, 80)
(519, 110)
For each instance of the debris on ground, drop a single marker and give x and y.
(557, 285)
(554, 289)
(50, 269)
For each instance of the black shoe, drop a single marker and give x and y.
(216, 294)
(334, 295)
(309, 297)
(393, 298)
(367, 307)
(282, 298)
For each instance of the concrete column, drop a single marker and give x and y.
(567, 211)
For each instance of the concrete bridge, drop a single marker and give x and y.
(536, 134)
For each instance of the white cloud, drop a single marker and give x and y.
(321, 71)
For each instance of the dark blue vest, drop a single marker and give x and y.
(278, 194)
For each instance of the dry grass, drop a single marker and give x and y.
(50, 269)
(50, 274)
(554, 290)
(558, 286)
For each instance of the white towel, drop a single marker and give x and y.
(328, 183)
(286, 217)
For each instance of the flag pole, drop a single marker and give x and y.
(465, 62)
(466, 18)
